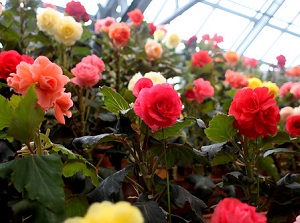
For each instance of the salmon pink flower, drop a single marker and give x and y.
(231, 57)
(62, 106)
(255, 111)
(158, 106)
(201, 58)
(251, 62)
(153, 49)
(236, 79)
(293, 72)
(136, 17)
(295, 90)
(232, 210)
(119, 33)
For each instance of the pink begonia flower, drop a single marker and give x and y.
(285, 88)
(48, 79)
(232, 210)
(295, 90)
(190, 95)
(62, 106)
(102, 25)
(236, 79)
(251, 62)
(86, 75)
(158, 106)
(297, 219)
(95, 61)
(49, 5)
(202, 90)
(140, 84)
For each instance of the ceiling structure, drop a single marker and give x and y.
(261, 29)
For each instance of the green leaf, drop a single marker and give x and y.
(211, 150)
(26, 118)
(221, 157)
(73, 166)
(39, 177)
(220, 128)
(267, 164)
(175, 129)
(5, 113)
(114, 102)
(76, 205)
(280, 138)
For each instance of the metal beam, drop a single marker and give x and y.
(259, 25)
(179, 11)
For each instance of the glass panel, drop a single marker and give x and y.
(295, 29)
(237, 7)
(190, 21)
(224, 24)
(288, 10)
(264, 40)
(242, 37)
(266, 5)
(256, 5)
(160, 10)
(286, 45)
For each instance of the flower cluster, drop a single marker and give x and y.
(48, 81)
(65, 29)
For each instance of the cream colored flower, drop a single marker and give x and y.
(107, 212)
(173, 40)
(159, 35)
(156, 77)
(133, 80)
(68, 30)
(272, 87)
(47, 19)
(285, 112)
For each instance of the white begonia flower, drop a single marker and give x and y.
(47, 19)
(156, 77)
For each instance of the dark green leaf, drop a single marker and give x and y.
(178, 154)
(92, 141)
(280, 150)
(26, 118)
(151, 212)
(180, 196)
(40, 177)
(280, 138)
(211, 150)
(109, 187)
(175, 129)
(267, 164)
(114, 101)
(221, 158)
(220, 128)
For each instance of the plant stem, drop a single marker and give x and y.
(167, 176)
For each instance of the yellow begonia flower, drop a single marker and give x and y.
(272, 87)
(67, 30)
(173, 41)
(107, 212)
(254, 82)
